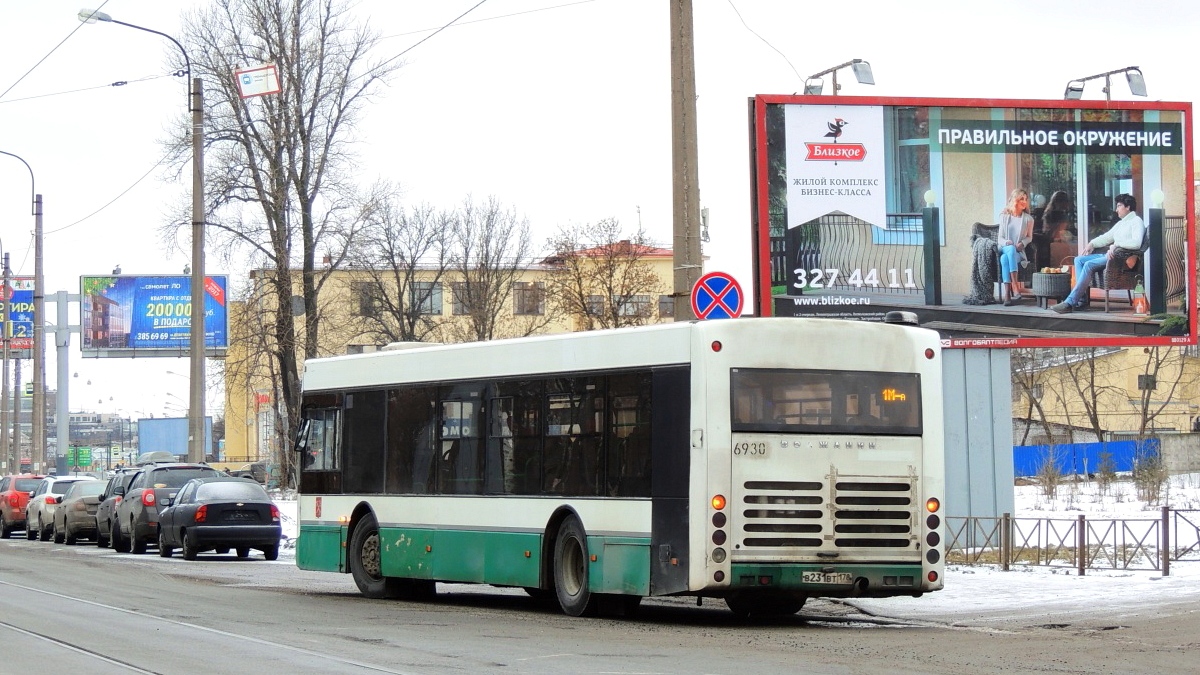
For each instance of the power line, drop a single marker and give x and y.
(110, 203)
(41, 60)
(118, 83)
(418, 43)
(490, 18)
(785, 58)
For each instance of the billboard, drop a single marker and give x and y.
(19, 297)
(977, 215)
(131, 315)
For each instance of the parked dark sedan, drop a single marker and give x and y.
(220, 513)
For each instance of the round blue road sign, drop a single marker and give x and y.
(717, 296)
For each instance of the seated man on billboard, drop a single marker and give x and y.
(1126, 234)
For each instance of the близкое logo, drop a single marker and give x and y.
(835, 152)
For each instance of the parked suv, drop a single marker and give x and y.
(136, 522)
(106, 512)
(14, 496)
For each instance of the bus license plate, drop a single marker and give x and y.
(825, 577)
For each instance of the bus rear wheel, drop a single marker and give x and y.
(366, 561)
(571, 569)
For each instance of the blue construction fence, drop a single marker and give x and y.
(1081, 458)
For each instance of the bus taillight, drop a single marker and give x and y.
(929, 353)
(932, 505)
(716, 345)
(933, 576)
(718, 502)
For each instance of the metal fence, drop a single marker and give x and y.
(1077, 543)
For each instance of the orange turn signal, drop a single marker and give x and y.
(718, 502)
(932, 505)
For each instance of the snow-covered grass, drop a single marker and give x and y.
(1080, 495)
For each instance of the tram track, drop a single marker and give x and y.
(158, 619)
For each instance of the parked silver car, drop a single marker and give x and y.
(39, 513)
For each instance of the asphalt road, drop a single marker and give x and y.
(83, 609)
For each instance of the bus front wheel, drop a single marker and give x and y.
(366, 563)
(571, 569)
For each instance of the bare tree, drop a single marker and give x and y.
(1164, 373)
(1086, 377)
(491, 248)
(600, 278)
(399, 260)
(278, 167)
(1030, 381)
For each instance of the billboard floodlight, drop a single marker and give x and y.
(862, 73)
(1133, 75)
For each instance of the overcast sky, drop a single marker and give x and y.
(558, 108)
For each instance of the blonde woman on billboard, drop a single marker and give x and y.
(1015, 233)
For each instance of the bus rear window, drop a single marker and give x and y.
(826, 402)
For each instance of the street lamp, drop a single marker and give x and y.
(196, 449)
(862, 72)
(38, 420)
(1133, 75)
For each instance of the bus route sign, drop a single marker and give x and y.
(717, 295)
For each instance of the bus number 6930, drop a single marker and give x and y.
(750, 449)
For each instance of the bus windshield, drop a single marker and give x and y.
(826, 401)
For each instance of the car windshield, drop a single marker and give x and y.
(28, 484)
(173, 478)
(87, 488)
(234, 490)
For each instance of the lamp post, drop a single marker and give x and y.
(38, 414)
(196, 449)
(862, 72)
(1133, 75)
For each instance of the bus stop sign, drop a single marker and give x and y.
(717, 295)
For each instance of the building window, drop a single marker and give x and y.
(595, 305)
(426, 297)
(458, 299)
(529, 298)
(632, 305)
(366, 297)
(666, 307)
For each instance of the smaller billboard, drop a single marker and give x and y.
(127, 315)
(20, 312)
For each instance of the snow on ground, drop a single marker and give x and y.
(983, 594)
(979, 594)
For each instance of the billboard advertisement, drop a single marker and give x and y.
(998, 223)
(19, 297)
(128, 315)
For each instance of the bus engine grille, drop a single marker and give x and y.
(857, 514)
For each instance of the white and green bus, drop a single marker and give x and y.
(762, 461)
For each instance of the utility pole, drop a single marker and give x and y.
(684, 161)
(5, 444)
(38, 452)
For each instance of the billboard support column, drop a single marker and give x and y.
(1156, 278)
(930, 218)
(62, 342)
